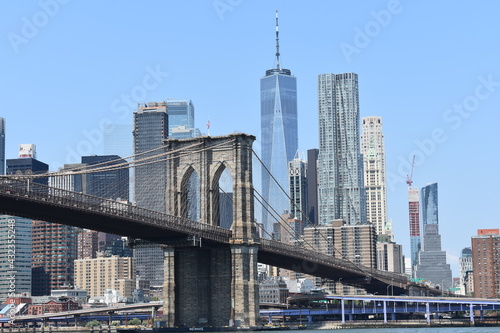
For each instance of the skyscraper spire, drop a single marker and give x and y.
(277, 43)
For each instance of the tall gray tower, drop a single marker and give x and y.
(279, 134)
(297, 169)
(150, 129)
(340, 165)
(372, 148)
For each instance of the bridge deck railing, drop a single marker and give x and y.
(27, 188)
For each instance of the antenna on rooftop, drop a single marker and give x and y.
(278, 66)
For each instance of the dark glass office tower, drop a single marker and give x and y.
(28, 165)
(312, 187)
(279, 135)
(150, 130)
(113, 184)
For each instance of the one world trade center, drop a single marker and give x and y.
(279, 137)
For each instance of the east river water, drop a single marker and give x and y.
(412, 330)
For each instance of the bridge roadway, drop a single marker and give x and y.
(77, 313)
(362, 306)
(22, 197)
(343, 306)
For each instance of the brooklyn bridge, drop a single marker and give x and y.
(209, 271)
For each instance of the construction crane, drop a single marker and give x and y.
(408, 177)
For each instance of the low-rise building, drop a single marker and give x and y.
(273, 291)
(52, 307)
(77, 295)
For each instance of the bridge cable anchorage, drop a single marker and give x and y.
(362, 268)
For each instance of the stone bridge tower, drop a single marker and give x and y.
(211, 285)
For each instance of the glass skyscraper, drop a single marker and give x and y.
(432, 264)
(279, 136)
(429, 202)
(180, 113)
(181, 119)
(340, 165)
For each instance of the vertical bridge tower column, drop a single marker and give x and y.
(244, 247)
(212, 284)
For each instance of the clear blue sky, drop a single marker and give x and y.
(430, 69)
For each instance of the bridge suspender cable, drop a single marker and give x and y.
(305, 216)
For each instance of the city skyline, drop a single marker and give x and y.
(431, 109)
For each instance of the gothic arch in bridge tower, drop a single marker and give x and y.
(190, 194)
(220, 198)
